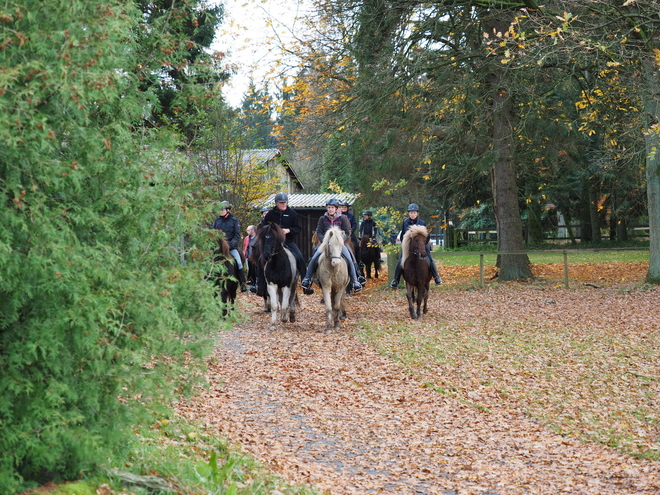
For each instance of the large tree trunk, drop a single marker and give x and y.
(652, 105)
(505, 190)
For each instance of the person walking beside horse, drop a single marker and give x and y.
(327, 221)
(413, 219)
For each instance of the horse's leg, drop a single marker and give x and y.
(286, 299)
(274, 303)
(411, 300)
(292, 303)
(426, 297)
(327, 300)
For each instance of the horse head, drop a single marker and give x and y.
(414, 242)
(272, 238)
(333, 243)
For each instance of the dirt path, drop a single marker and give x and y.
(328, 410)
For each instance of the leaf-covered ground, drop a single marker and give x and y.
(508, 389)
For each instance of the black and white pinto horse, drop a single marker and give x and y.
(280, 273)
(332, 276)
(369, 255)
(224, 275)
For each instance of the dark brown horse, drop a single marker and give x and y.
(224, 275)
(416, 271)
(369, 255)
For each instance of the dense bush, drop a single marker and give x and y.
(97, 312)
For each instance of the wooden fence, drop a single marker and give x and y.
(563, 252)
(454, 238)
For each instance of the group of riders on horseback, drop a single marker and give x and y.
(336, 215)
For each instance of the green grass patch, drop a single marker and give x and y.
(580, 382)
(193, 461)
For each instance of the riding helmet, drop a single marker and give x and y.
(332, 202)
(413, 207)
(367, 212)
(225, 205)
(281, 198)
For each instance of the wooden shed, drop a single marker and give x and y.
(310, 207)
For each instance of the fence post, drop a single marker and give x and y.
(566, 269)
(481, 268)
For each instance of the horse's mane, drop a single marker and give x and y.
(334, 234)
(412, 232)
(223, 247)
(275, 229)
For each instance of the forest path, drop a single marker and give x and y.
(330, 411)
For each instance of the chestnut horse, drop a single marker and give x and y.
(224, 275)
(416, 271)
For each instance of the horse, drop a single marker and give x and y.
(225, 278)
(416, 271)
(258, 262)
(369, 254)
(280, 273)
(332, 276)
(351, 247)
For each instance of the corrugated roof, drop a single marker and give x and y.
(312, 201)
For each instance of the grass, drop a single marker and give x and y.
(592, 382)
(470, 258)
(193, 462)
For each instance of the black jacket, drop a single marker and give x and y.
(287, 219)
(232, 229)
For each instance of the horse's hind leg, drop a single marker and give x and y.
(329, 303)
(292, 306)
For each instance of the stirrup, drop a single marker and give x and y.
(361, 280)
(357, 287)
(394, 284)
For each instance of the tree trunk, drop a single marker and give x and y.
(534, 225)
(652, 136)
(505, 190)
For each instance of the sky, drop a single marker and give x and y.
(247, 37)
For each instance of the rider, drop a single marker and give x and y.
(413, 219)
(368, 226)
(288, 219)
(328, 220)
(343, 209)
(228, 224)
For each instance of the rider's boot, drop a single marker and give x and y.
(307, 280)
(241, 279)
(397, 276)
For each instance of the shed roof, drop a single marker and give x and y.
(313, 201)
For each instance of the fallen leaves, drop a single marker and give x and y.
(468, 398)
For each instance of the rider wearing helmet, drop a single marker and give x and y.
(229, 225)
(413, 219)
(288, 219)
(368, 226)
(329, 219)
